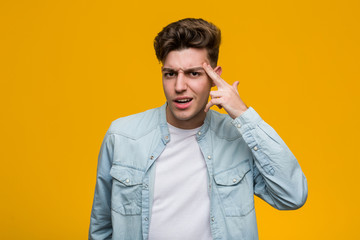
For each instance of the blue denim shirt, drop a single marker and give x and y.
(244, 157)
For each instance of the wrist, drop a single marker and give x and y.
(241, 110)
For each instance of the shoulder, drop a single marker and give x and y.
(136, 125)
(222, 125)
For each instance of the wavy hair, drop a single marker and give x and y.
(188, 33)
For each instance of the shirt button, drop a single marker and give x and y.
(213, 219)
(199, 133)
(146, 219)
(234, 180)
(255, 148)
(238, 126)
(166, 137)
(127, 180)
(146, 186)
(152, 157)
(209, 157)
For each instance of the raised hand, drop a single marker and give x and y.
(227, 96)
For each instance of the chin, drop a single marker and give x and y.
(183, 117)
(187, 114)
(190, 115)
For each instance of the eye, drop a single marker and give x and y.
(194, 74)
(169, 74)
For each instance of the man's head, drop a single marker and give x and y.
(189, 33)
(183, 47)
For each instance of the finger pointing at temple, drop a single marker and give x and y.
(227, 96)
(218, 81)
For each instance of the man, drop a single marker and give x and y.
(183, 171)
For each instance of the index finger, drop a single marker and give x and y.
(213, 75)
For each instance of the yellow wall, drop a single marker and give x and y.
(68, 68)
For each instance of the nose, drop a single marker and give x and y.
(180, 83)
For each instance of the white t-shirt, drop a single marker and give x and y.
(181, 206)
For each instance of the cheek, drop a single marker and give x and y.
(202, 89)
(166, 88)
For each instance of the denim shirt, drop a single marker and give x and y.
(244, 157)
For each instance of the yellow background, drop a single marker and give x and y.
(68, 68)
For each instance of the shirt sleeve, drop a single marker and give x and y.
(278, 178)
(100, 221)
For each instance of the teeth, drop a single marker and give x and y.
(183, 100)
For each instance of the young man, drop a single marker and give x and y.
(183, 171)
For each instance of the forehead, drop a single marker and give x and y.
(186, 58)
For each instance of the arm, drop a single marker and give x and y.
(100, 221)
(278, 178)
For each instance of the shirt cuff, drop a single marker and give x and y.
(249, 116)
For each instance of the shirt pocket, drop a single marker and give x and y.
(235, 189)
(126, 190)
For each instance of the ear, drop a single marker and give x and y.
(218, 70)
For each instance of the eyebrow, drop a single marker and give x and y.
(194, 69)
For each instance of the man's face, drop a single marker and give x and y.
(186, 86)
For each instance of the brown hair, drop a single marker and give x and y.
(188, 33)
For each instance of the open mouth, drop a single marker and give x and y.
(183, 101)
